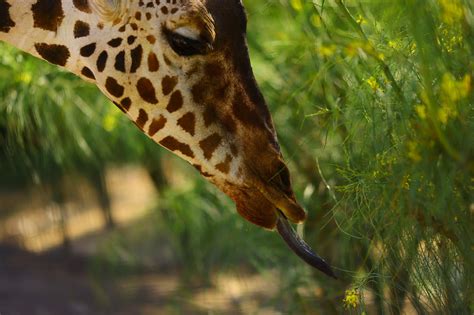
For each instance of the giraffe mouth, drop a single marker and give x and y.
(288, 209)
(260, 207)
(286, 204)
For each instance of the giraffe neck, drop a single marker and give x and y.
(69, 34)
(58, 31)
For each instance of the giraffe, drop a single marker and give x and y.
(180, 70)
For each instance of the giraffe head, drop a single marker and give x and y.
(180, 70)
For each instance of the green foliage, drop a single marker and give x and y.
(373, 105)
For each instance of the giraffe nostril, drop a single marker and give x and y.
(281, 178)
(272, 180)
(284, 176)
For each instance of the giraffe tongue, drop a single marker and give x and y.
(254, 207)
(300, 248)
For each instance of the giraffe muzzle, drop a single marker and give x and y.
(269, 202)
(261, 207)
(301, 248)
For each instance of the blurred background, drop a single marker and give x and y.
(373, 105)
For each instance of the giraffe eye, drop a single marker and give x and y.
(186, 46)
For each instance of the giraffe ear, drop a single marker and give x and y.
(110, 10)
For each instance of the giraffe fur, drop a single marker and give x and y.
(180, 70)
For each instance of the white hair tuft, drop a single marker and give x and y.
(110, 10)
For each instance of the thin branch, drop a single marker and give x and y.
(385, 68)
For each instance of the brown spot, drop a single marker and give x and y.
(55, 54)
(168, 84)
(120, 61)
(214, 70)
(175, 102)
(120, 107)
(82, 5)
(102, 61)
(164, 10)
(174, 145)
(88, 73)
(210, 144)
(136, 55)
(115, 42)
(244, 113)
(142, 118)
(199, 168)
(126, 103)
(88, 50)
(81, 29)
(234, 150)
(113, 87)
(156, 125)
(131, 39)
(224, 167)
(148, 16)
(138, 16)
(199, 90)
(214, 85)
(153, 64)
(146, 90)
(220, 91)
(167, 60)
(206, 91)
(47, 15)
(188, 123)
(6, 23)
(174, 10)
(210, 115)
(229, 124)
(122, 28)
(151, 39)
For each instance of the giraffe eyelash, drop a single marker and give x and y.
(185, 46)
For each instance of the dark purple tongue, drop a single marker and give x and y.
(300, 247)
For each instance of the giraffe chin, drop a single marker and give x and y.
(255, 208)
(262, 208)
